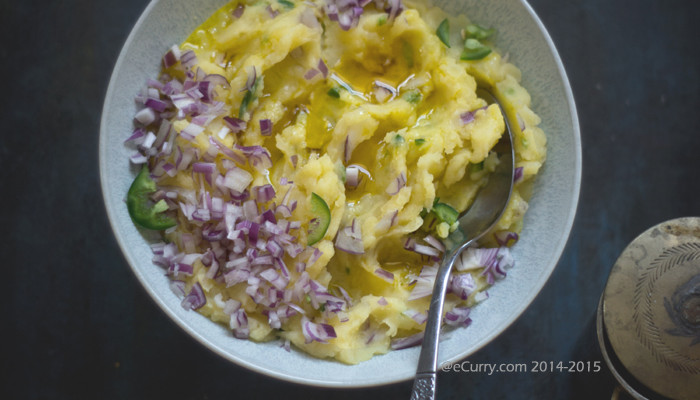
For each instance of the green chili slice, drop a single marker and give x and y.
(322, 218)
(443, 32)
(474, 50)
(141, 209)
(477, 32)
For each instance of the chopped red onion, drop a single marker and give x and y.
(239, 324)
(431, 240)
(383, 92)
(195, 299)
(164, 131)
(418, 316)
(424, 282)
(469, 116)
(277, 280)
(223, 132)
(316, 332)
(481, 296)
(387, 221)
(145, 116)
(518, 175)
(204, 168)
(257, 156)
(265, 127)
(462, 285)
(495, 261)
(352, 176)
(264, 193)
(178, 287)
(228, 152)
(188, 59)
(192, 130)
(231, 306)
(272, 13)
(171, 57)
(309, 19)
(138, 158)
(236, 125)
(323, 68)
(137, 137)
(148, 141)
(349, 240)
(397, 184)
(458, 316)
(237, 179)
(384, 274)
(156, 104)
(406, 342)
(169, 169)
(521, 122)
(426, 250)
(310, 74)
(213, 269)
(506, 238)
(238, 12)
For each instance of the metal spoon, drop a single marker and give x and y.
(486, 210)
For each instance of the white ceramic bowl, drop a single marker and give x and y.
(547, 223)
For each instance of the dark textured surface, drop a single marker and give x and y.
(79, 326)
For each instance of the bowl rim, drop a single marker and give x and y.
(517, 312)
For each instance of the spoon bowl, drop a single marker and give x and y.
(487, 209)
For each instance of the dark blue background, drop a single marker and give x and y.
(77, 325)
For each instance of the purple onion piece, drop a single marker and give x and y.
(238, 12)
(406, 342)
(265, 127)
(195, 299)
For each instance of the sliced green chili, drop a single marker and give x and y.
(474, 50)
(443, 32)
(477, 32)
(286, 3)
(141, 209)
(322, 218)
(445, 213)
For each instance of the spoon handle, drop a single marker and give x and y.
(424, 386)
(425, 383)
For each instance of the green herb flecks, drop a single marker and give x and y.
(407, 51)
(413, 96)
(249, 97)
(286, 4)
(334, 92)
(477, 167)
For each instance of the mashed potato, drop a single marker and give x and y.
(270, 106)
